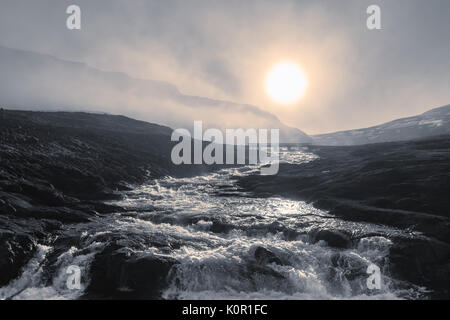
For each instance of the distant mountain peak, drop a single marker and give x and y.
(431, 123)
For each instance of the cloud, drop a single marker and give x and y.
(222, 50)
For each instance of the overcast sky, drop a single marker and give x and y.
(223, 50)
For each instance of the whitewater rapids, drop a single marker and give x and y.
(212, 229)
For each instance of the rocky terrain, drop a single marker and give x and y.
(400, 184)
(57, 168)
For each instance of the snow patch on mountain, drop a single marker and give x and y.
(431, 123)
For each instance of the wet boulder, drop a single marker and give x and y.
(120, 274)
(264, 256)
(351, 265)
(333, 238)
(220, 227)
(348, 274)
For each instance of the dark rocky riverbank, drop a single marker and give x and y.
(57, 168)
(402, 184)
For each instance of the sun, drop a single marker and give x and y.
(286, 83)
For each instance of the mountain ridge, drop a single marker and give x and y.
(33, 81)
(431, 123)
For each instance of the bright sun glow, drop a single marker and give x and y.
(286, 83)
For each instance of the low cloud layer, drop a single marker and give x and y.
(34, 81)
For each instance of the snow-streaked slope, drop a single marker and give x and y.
(431, 123)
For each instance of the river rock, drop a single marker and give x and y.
(333, 238)
(264, 256)
(120, 274)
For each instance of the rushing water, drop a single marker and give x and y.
(212, 228)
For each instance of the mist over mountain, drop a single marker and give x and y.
(431, 123)
(42, 82)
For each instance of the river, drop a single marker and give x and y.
(216, 232)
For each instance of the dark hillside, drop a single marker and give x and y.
(56, 167)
